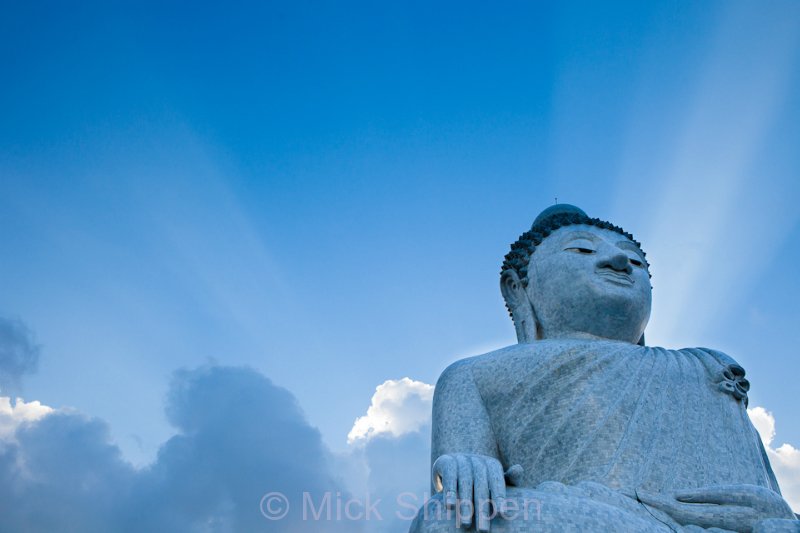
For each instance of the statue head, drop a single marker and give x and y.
(572, 276)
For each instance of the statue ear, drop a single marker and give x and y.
(519, 304)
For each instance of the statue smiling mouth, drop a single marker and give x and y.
(618, 278)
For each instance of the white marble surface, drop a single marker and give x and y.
(598, 430)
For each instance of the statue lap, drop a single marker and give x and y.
(553, 506)
(587, 506)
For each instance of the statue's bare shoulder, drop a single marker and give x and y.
(460, 372)
(461, 422)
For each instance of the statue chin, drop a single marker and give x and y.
(594, 314)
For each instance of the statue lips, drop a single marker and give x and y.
(617, 278)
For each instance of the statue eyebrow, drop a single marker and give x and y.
(581, 235)
(629, 245)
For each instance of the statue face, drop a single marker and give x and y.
(588, 280)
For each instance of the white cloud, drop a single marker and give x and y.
(11, 416)
(764, 423)
(785, 459)
(398, 407)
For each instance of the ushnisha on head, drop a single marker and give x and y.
(572, 276)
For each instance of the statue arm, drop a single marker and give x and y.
(465, 460)
(735, 383)
(731, 507)
(460, 421)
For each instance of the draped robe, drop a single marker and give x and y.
(606, 413)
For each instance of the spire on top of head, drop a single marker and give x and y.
(558, 209)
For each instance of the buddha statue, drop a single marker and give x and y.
(581, 426)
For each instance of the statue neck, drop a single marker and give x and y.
(577, 335)
(591, 331)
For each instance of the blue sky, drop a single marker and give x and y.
(323, 192)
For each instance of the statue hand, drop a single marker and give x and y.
(472, 481)
(734, 507)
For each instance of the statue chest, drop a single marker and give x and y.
(625, 416)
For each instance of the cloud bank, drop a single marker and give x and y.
(243, 458)
(238, 438)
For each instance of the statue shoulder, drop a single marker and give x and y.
(456, 374)
(722, 358)
(465, 372)
(724, 371)
(460, 422)
(715, 360)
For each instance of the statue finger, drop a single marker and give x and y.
(480, 489)
(465, 507)
(707, 515)
(445, 474)
(497, 485)
(727, 517)
(663, 502)
(761, 498)
(686, 513)
(718, 494)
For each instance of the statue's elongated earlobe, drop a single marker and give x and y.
(519, 306)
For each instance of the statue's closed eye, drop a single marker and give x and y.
(579, 250)
(636, 262)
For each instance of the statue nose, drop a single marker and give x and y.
(617, 261)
